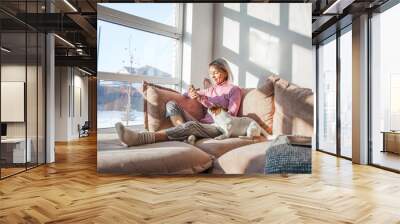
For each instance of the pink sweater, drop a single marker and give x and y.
(225, 94)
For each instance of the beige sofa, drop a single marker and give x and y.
(277, 105)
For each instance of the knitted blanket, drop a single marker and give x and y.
(283, 157)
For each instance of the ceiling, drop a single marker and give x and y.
(77, 22)
(76, 25)
(332, 15)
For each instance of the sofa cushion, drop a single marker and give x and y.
(258, 103)
(262, 113)
(158, 158)
(249, 159)
(294, 108)
(155, 99)
(219, 147)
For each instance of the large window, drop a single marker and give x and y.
(334, 104)
(327, 96)
(346, 93)
(136, 52)
(22, 90)
(157, 12)
(136, 43)
(385, 88)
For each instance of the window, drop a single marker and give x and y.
(137, 52)
(385, 88)
(346, 93)
(119, 102)
(327, 96)
(157, 12)
(394, 101)
(22, 75)
(335, 94)
(136, 42)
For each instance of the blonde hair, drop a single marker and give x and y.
(222, 64)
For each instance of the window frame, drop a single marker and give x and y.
(334, 37)
(370, 72)
(131, 21)
(125, 19)
(114, 16)
(343, 31)
(330, 39)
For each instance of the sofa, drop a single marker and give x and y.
(280, 107)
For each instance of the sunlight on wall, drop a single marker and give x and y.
(260, 33)
(300, 65)
(233, 6)
(297, 13)
(266, 12)
(251, 80)
(235, 72)
(264, 50)
(230, 37)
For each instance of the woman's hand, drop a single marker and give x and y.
(193, 94)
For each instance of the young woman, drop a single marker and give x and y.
(222, 93)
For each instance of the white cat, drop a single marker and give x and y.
(242, 127)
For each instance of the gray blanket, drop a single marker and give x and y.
(283, 157)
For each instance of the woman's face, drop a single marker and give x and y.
(217, 75)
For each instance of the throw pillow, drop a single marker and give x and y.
(258, 103)
(294, 109)
(155, 99)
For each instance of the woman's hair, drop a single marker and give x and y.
(222, 64)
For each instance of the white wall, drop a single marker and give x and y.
(69, 82)
(17, 73)
(197, 43)
(80, 83)
(61, 103)
(260, 39)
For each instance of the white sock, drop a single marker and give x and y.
(132, 138)
(191, 139)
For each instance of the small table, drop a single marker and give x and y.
(391, 141)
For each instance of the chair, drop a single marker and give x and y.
(84, 130)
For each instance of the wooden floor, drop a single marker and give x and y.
(387, 159)
(70, 191)
(10, 171)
